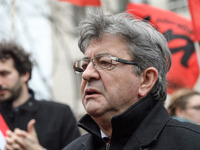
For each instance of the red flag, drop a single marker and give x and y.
(3, 129)
(184, 71)
(3, 125)
(84, 2)
(194, 6)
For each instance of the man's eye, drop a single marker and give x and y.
(4, 73)
(196, 107)
(104, 63)
(84, 65)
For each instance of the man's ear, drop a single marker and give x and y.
(148, 78)
(25, 77)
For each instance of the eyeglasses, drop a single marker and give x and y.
(100, 62)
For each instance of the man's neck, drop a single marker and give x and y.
(23, 98)
(105, 125)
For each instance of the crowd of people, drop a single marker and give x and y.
(123, 90)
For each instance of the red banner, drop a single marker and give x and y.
(178, 30)
(84, 2)
(194, 6)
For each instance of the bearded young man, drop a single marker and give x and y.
(49, 125)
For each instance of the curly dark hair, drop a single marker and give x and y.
(22, 62)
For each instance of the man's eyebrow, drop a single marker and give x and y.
(97, 55)
(102, 54)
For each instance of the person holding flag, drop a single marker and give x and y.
(34, 125)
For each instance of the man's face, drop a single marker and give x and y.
(10, 81)
(109, 92)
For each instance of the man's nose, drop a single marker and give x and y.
(1, 80)
(90, 72)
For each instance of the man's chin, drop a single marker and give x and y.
(94, 112)
(5, 99)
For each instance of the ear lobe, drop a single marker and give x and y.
(148, 79)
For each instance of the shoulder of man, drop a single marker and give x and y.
(78, 144)
(188, 127)
(184, 135)
(52, 106)
(46, 103)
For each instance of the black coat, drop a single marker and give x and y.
(55, 123)
(144, 126)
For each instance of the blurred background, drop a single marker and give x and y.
(48, 29)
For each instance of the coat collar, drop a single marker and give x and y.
(152, 125)
(29, 105)
(127, 122)
(143, 121)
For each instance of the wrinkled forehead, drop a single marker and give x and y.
(107, 43)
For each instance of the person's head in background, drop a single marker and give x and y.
(185, 105)
(15, 72)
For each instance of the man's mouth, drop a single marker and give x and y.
(91, 92)
(2, 92)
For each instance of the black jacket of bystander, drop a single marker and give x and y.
(55, 122)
